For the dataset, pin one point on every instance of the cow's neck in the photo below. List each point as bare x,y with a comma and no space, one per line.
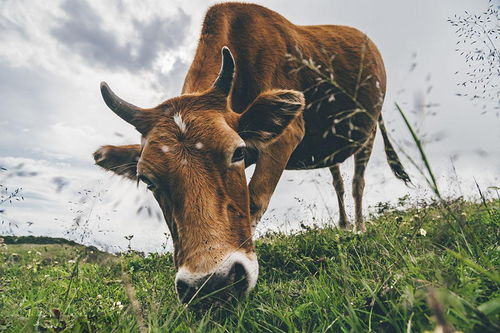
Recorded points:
247,85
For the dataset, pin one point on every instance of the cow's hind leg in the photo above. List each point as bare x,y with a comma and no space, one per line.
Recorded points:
358,183
338,184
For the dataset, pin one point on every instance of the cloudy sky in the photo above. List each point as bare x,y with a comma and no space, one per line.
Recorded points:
52,117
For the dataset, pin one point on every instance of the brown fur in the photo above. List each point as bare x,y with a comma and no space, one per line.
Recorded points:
206,202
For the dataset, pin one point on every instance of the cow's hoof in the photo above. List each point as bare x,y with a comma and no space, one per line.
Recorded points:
346,226
360,228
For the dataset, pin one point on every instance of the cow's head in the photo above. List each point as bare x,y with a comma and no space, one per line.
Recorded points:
192,158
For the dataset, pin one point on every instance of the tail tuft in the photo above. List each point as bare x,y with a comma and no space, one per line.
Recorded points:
392,157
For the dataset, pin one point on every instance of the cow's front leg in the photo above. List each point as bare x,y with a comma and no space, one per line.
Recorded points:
270,164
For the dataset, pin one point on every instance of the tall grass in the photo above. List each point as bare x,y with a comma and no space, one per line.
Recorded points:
316,281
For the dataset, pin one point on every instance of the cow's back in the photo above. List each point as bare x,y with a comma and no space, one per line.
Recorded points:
260,39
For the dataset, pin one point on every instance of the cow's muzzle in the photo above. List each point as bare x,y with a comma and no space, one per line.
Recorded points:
234,277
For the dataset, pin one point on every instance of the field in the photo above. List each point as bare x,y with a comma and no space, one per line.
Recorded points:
421,268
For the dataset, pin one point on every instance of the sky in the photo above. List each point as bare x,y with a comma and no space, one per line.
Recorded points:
52,117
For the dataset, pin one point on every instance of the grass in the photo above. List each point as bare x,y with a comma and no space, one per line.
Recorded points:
393,278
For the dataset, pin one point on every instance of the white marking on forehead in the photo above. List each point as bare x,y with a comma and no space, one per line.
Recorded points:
165,149
198,145
179,122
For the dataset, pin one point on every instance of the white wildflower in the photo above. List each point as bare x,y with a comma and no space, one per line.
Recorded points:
118,305
422,232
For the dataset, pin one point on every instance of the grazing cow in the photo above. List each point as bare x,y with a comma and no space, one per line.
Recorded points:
259,107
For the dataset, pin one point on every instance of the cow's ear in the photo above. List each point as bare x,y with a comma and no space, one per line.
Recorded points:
121,160
269,114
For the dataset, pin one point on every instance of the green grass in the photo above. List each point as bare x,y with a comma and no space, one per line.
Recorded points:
316,281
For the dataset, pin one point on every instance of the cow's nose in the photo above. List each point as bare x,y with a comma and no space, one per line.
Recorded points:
212,287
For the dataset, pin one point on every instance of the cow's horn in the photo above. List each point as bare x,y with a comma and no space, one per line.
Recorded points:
225,79
124,110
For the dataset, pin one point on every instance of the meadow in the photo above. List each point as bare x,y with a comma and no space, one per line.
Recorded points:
427,266
418,267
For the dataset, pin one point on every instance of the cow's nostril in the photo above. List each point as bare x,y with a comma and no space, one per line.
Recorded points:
239,278
183,290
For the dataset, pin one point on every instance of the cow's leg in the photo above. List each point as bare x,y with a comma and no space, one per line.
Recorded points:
338,184
270,164
358,183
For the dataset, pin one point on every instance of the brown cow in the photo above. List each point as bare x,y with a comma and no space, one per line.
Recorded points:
195,147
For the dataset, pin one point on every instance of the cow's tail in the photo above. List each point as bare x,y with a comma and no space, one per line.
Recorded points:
392,157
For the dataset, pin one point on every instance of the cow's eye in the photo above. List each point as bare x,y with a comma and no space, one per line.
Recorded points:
148,183
238,155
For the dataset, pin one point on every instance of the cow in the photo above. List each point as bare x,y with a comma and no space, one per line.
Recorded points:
245,101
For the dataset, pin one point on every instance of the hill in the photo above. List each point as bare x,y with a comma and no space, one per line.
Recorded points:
413,270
